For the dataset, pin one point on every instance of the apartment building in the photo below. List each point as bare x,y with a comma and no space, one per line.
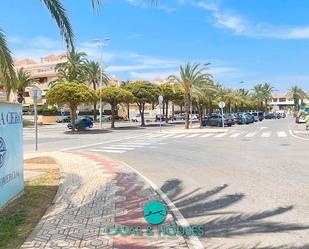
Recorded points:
281,101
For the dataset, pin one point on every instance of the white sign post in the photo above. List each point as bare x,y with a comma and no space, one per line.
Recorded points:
222,105
160,99
35,93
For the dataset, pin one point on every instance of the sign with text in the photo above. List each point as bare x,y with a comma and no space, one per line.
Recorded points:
11,152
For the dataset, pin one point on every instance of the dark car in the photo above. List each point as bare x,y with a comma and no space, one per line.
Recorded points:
158,117
64,120
250,118
82,123
261,116
270,116
216,120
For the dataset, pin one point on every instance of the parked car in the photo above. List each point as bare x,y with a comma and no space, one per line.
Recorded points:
255,116
270,116
250,118
260,116
216,120
231,117
193,117
104,118
158,117
82,123
64,120
241,118
177,117
137,118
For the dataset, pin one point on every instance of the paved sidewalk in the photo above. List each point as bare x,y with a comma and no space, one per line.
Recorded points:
96,193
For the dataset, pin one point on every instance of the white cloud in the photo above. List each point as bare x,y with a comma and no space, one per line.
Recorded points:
241,26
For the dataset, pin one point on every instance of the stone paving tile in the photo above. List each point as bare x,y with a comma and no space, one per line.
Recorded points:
96,193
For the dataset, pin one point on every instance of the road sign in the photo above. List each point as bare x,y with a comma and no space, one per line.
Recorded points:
221,104
77,111
62,111
35,92
160,99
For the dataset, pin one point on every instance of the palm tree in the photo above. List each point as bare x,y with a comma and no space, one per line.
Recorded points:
190,74
73,70
258,94
59,14
296,94
7,72
267,93
92,75
201,93
22,81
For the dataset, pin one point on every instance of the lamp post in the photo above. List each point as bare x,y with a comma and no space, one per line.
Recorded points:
100,43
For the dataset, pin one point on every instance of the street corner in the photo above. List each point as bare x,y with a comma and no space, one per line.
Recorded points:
101,198
134,202
298,130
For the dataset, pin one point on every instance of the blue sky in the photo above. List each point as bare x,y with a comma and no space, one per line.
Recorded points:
252,41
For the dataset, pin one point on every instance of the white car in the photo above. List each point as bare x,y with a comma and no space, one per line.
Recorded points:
301,119
137,118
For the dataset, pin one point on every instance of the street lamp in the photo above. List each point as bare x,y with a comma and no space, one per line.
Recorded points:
100,43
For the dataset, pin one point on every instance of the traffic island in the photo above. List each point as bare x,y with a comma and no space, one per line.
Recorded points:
19,217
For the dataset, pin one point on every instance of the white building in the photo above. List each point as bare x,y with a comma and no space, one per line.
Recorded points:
281,101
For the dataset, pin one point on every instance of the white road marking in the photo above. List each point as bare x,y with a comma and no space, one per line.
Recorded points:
235,135
194,135
116,148
220,135
169,135
208,135
100,143
130,145
137,143
281,134
266,134
181,135
193,241
109,151
251,134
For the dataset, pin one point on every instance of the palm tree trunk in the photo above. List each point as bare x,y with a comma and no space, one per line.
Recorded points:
173,109
200,111
187,109
128,111
113,116
166,112
73,116
95,104
141,108
95,111
163,108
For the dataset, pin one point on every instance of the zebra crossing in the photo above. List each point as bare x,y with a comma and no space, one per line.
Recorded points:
153,140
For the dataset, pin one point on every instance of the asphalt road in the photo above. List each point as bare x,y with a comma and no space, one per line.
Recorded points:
248,186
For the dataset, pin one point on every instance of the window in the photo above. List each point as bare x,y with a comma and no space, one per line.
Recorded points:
282,99
275,100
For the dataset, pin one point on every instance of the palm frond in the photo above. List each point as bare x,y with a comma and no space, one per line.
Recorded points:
7,72
59,13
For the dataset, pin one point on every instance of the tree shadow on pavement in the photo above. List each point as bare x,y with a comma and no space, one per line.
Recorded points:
213,202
